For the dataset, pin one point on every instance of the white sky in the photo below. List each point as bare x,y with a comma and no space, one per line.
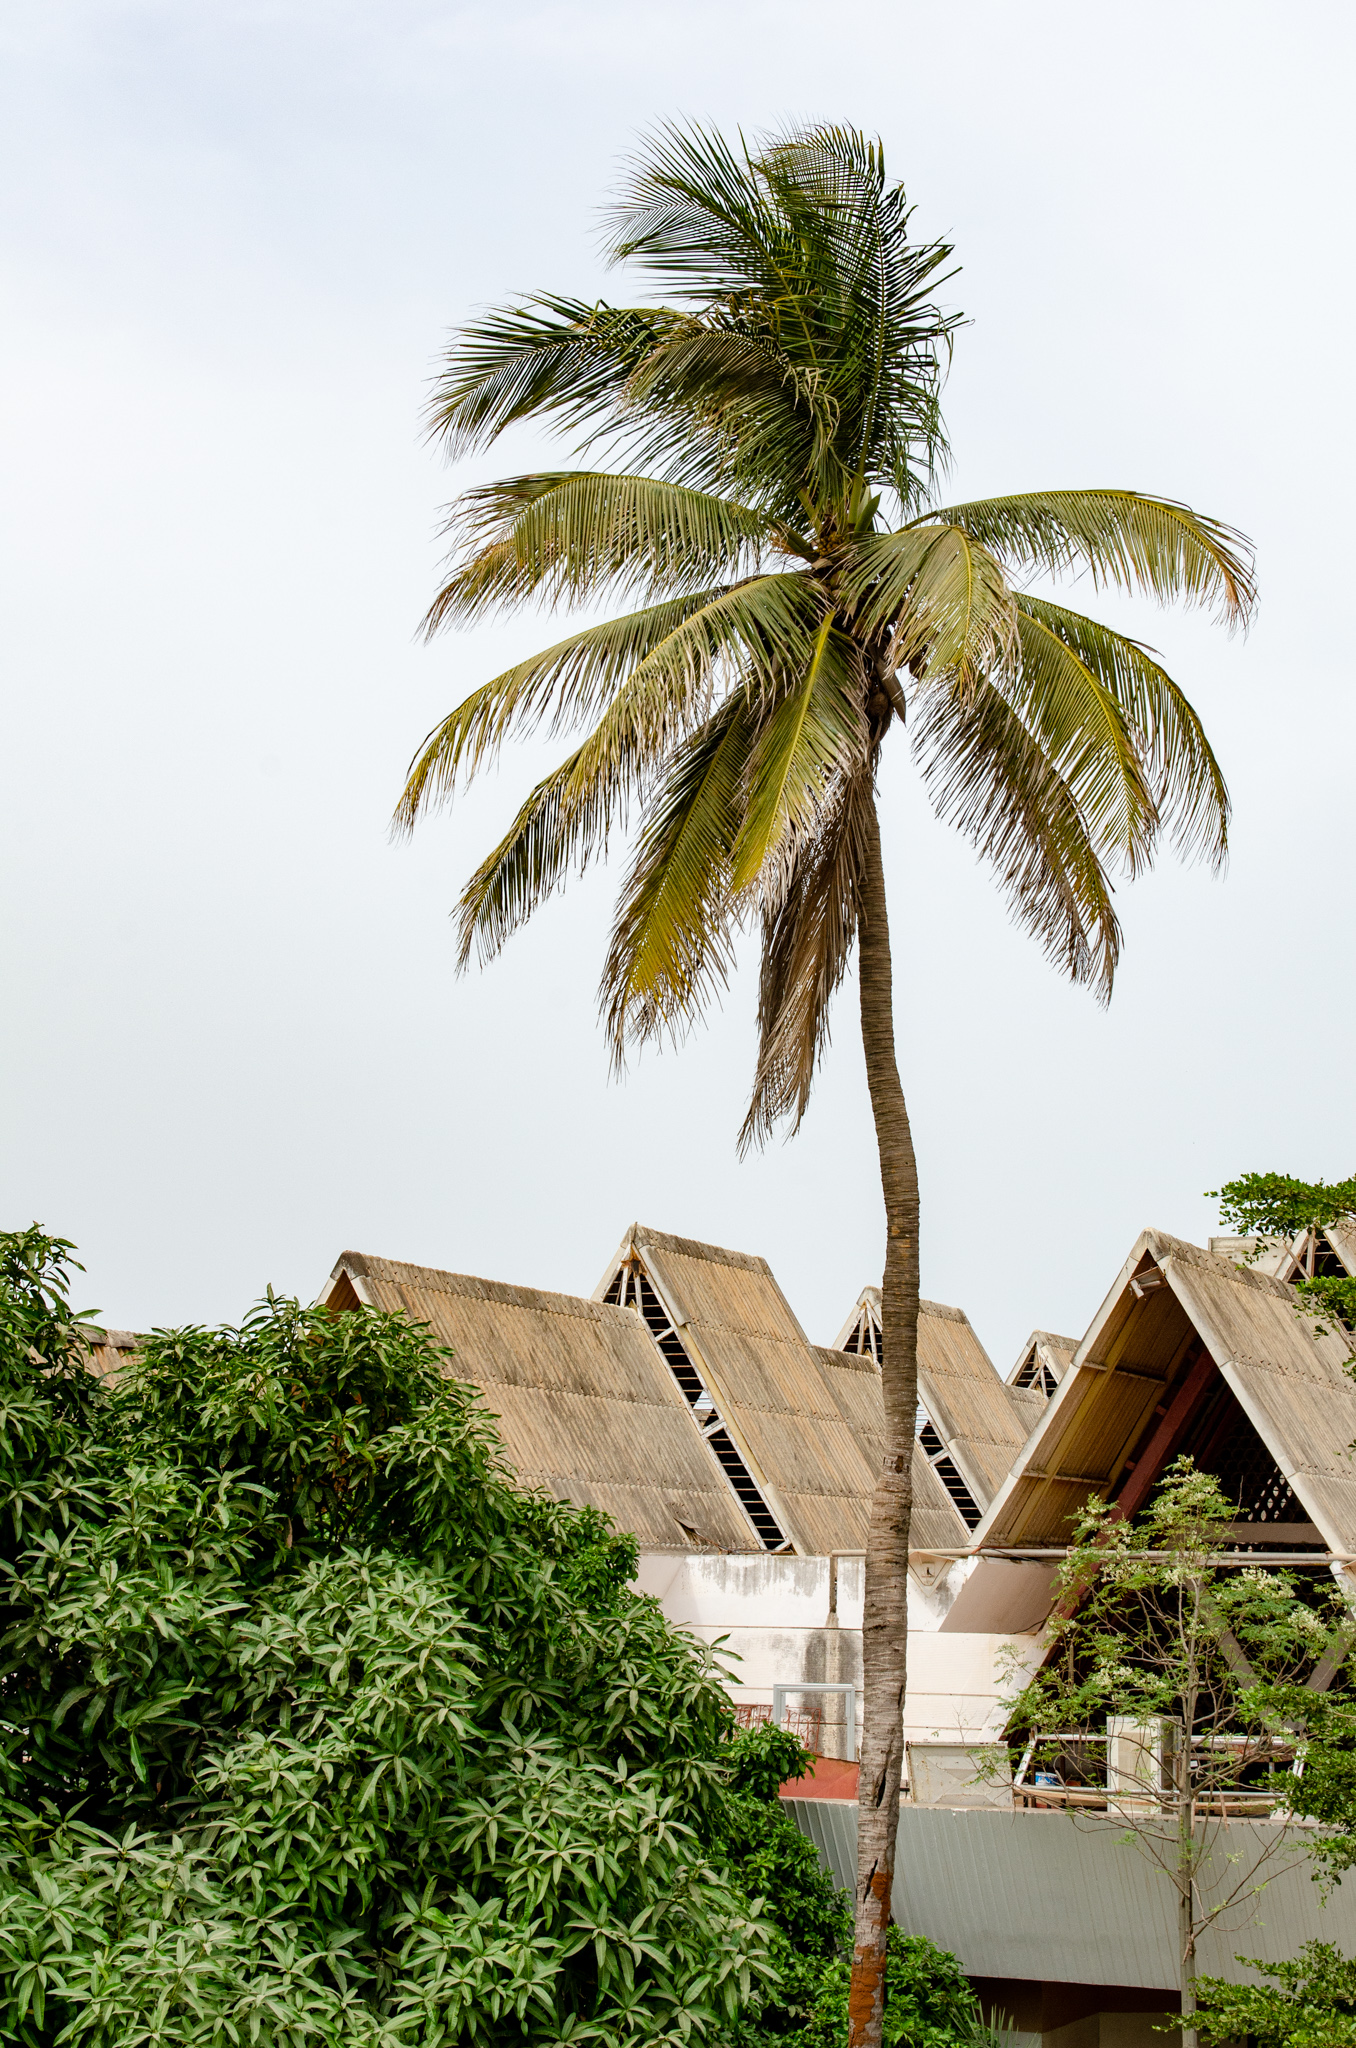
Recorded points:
233,1040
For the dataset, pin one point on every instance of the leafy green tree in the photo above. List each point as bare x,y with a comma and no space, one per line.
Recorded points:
314,1728
1196,1668
768,510
1310,2002
1276,1207
929,2001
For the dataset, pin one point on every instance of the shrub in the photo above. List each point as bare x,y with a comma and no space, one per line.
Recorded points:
314,1728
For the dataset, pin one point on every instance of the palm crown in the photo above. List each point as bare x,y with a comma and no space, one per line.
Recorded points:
794,589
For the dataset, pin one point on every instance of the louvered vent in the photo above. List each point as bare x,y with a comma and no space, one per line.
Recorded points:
633,1290
864,1341
1034,1374
935,1451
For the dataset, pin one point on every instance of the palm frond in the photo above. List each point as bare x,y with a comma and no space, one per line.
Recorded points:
1080,723
1123,538
808,935
986,774
572,536
672,939
799,247
572,679
815,733
942,595
1186,779
547,356
664,658
717,406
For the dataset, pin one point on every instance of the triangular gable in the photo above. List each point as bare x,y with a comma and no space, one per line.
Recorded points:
733,1335
1041,1364
971,1425
587,1408
1190,1353
937,1523
1330,1249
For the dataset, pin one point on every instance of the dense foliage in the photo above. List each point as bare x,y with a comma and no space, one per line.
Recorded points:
315,1728
929,2002
1309,2002
1278,1205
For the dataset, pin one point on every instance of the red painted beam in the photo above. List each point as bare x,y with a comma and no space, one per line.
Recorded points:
1171,1429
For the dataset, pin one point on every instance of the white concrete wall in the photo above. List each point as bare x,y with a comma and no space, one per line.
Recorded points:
770,1618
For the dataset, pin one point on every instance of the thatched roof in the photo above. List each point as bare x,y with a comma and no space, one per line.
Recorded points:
1039,1367
977,1424
773,1396
855,1380
106,1351
587,1408
1192,1353
982,1423
804,1423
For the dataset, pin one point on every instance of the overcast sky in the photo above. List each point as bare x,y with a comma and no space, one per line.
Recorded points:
235,237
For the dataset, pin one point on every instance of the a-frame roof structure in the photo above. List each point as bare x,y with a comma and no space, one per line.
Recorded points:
1041,1364
1193,1353
587,1407
971,1425
1329,1248
798,1428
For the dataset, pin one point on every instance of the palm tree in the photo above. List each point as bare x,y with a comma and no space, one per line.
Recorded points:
771,442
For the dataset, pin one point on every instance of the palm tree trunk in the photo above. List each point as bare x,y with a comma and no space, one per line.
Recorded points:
885,1620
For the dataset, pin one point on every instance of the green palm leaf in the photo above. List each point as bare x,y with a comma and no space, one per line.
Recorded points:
800,252
808,936
565,537
1187,781
566,821
816,731
990,778
1123,538
1080,723
574,677
672,940
941,595
554,356
659,663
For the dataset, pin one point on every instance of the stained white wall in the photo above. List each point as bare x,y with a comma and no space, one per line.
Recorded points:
768,1620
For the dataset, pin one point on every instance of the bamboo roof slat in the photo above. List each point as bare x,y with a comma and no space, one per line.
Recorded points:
587,1408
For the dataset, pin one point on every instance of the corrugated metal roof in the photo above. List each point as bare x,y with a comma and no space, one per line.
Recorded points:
587,1408
1039,1895
1288,1374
